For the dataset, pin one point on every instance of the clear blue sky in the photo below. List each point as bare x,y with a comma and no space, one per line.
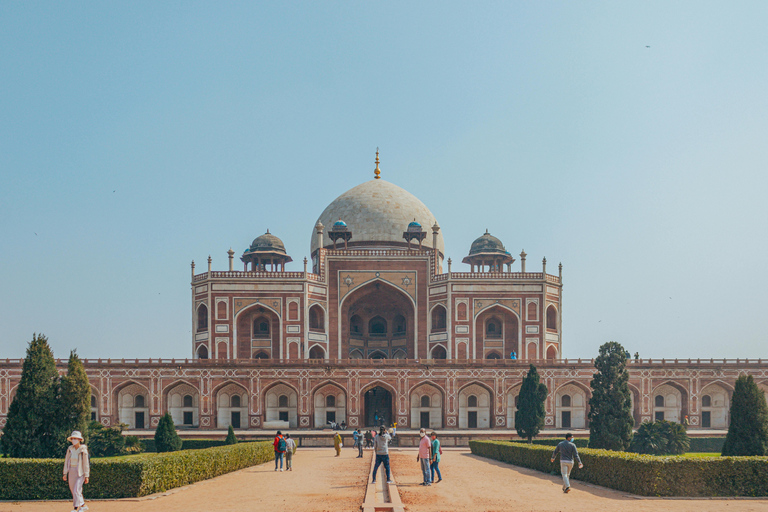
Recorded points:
627,140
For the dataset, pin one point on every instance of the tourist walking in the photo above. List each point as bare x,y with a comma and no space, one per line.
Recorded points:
337,444
425,456
437,451
358,443
381,447
290,447
568,454
368,439
77,469
280,446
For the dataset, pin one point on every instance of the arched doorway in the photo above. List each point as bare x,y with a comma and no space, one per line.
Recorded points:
378,407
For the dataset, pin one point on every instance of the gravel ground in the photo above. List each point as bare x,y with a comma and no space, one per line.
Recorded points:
475,484
319,482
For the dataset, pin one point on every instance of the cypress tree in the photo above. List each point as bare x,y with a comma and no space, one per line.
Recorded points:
75,397
748,431
231,438
166,438
32,429
530,414
610,409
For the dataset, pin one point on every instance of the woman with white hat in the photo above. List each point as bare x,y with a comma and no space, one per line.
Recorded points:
77,470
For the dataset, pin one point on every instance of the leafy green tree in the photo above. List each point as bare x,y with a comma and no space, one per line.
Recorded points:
231,438
32,428
610,409
530,414
166,438
105,441
660,437
748,431
75,397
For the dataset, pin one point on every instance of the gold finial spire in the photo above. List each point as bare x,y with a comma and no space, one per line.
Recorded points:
377,171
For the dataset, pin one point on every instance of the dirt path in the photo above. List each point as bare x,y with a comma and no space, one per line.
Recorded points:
476,484
319,482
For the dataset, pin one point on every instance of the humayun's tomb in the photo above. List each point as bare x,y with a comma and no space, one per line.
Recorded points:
379,325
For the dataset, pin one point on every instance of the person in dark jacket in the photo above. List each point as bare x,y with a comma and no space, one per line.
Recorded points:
568,454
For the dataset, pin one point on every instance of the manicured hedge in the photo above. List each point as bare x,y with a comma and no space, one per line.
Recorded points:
645,475
131,476
580,442
186,444
706,444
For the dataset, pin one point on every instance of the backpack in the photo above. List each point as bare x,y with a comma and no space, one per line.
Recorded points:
281,445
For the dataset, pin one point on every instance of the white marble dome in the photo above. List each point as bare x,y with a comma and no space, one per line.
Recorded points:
377,211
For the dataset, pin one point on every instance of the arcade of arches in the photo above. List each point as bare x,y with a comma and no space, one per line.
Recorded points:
426,404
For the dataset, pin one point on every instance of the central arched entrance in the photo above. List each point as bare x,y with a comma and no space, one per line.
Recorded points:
377,322
378,407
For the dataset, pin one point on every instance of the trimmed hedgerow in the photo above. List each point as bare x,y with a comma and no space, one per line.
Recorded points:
131,476
580,442
706,444
645,475
186,444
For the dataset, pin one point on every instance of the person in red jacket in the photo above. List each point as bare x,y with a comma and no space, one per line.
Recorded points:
280,447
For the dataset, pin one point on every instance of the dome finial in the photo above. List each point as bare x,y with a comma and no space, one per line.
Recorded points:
377,171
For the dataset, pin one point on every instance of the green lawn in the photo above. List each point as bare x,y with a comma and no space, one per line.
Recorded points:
700,455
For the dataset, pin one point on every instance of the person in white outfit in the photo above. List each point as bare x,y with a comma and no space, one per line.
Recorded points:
77,470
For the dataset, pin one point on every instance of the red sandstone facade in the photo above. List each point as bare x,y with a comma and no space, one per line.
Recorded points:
376,332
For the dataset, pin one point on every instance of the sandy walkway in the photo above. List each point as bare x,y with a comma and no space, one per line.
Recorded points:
319,482
475,484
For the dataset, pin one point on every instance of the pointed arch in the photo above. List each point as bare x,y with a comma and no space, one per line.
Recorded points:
325,412
281,328
393,287
426,405
126,410
438,318
518,331
475,405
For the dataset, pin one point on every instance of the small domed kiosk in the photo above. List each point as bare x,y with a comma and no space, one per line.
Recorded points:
488,251
267,252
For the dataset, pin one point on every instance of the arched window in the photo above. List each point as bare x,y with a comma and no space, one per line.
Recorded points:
493,328
438,319
187,401
551,318
138,401
93,401
399,324
706,401
282,401
425,401
202,318
316,319
471,401
493,355
356,325
438,352
565,401
221,310
261,327
461,311
234,401
659,401
316,352
260,355
330,401
551,353
377,325
202,352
